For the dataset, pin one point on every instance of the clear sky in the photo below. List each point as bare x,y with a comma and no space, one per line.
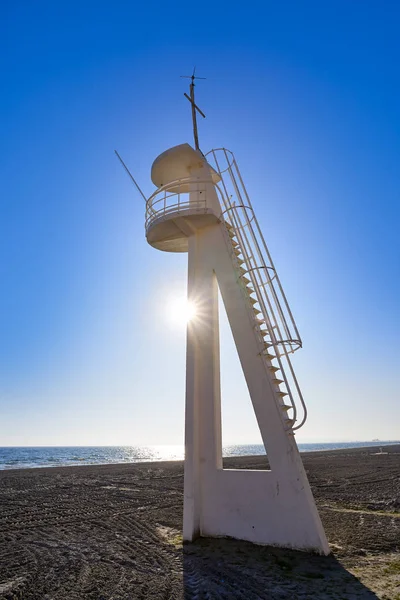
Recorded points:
307,95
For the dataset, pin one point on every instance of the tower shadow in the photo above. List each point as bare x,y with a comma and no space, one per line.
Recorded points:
227,569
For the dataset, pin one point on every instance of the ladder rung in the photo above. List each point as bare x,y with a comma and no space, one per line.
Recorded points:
242,271
253,300
277,381
228,225
268,355
282,394
231,233
257,312
246,280
273,369
285,407
237,252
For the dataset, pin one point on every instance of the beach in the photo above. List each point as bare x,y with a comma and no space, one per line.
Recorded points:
114,532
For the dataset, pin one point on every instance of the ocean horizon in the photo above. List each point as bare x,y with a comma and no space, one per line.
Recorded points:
29,457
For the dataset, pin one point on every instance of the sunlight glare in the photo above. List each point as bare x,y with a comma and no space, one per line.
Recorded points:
181,311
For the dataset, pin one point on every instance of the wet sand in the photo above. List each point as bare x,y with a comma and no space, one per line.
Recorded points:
114,533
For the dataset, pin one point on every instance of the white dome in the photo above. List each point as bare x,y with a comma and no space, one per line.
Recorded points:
178,163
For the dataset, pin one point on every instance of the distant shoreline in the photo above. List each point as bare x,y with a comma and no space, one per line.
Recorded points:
368,442
388,446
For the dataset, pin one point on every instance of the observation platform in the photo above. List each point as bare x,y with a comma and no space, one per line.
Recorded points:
186,198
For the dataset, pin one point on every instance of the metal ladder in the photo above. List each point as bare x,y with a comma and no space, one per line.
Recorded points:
270,314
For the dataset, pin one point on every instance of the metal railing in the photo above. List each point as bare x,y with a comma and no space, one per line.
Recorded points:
173,199
274,324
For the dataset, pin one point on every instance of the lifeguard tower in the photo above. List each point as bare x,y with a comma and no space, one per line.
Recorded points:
201,206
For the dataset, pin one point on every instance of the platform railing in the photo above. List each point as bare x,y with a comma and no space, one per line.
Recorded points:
176,199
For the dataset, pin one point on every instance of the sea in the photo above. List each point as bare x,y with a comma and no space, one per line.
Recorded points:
65,456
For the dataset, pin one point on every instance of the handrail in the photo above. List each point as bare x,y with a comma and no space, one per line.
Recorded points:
271,302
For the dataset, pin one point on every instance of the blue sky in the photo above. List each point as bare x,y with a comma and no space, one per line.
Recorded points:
306,94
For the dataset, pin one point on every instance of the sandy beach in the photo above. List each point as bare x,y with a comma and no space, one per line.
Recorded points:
114,532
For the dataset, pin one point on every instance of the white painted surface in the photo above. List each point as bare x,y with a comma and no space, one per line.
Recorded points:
177,163
268,507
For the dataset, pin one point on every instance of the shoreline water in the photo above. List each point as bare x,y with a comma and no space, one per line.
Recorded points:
24,457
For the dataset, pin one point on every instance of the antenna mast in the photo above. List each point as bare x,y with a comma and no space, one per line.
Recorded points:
131,176
194,106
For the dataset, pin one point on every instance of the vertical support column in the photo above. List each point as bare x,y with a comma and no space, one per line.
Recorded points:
203,449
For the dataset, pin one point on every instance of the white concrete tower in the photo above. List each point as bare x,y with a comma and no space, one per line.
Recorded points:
201,207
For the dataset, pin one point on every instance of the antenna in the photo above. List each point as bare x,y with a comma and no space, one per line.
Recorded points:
194,106
130,175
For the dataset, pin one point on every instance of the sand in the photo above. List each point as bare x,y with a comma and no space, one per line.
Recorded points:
114,532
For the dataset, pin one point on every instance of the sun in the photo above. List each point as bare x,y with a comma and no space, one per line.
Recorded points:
181,310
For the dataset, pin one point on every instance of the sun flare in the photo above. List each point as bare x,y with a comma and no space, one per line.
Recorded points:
181,310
